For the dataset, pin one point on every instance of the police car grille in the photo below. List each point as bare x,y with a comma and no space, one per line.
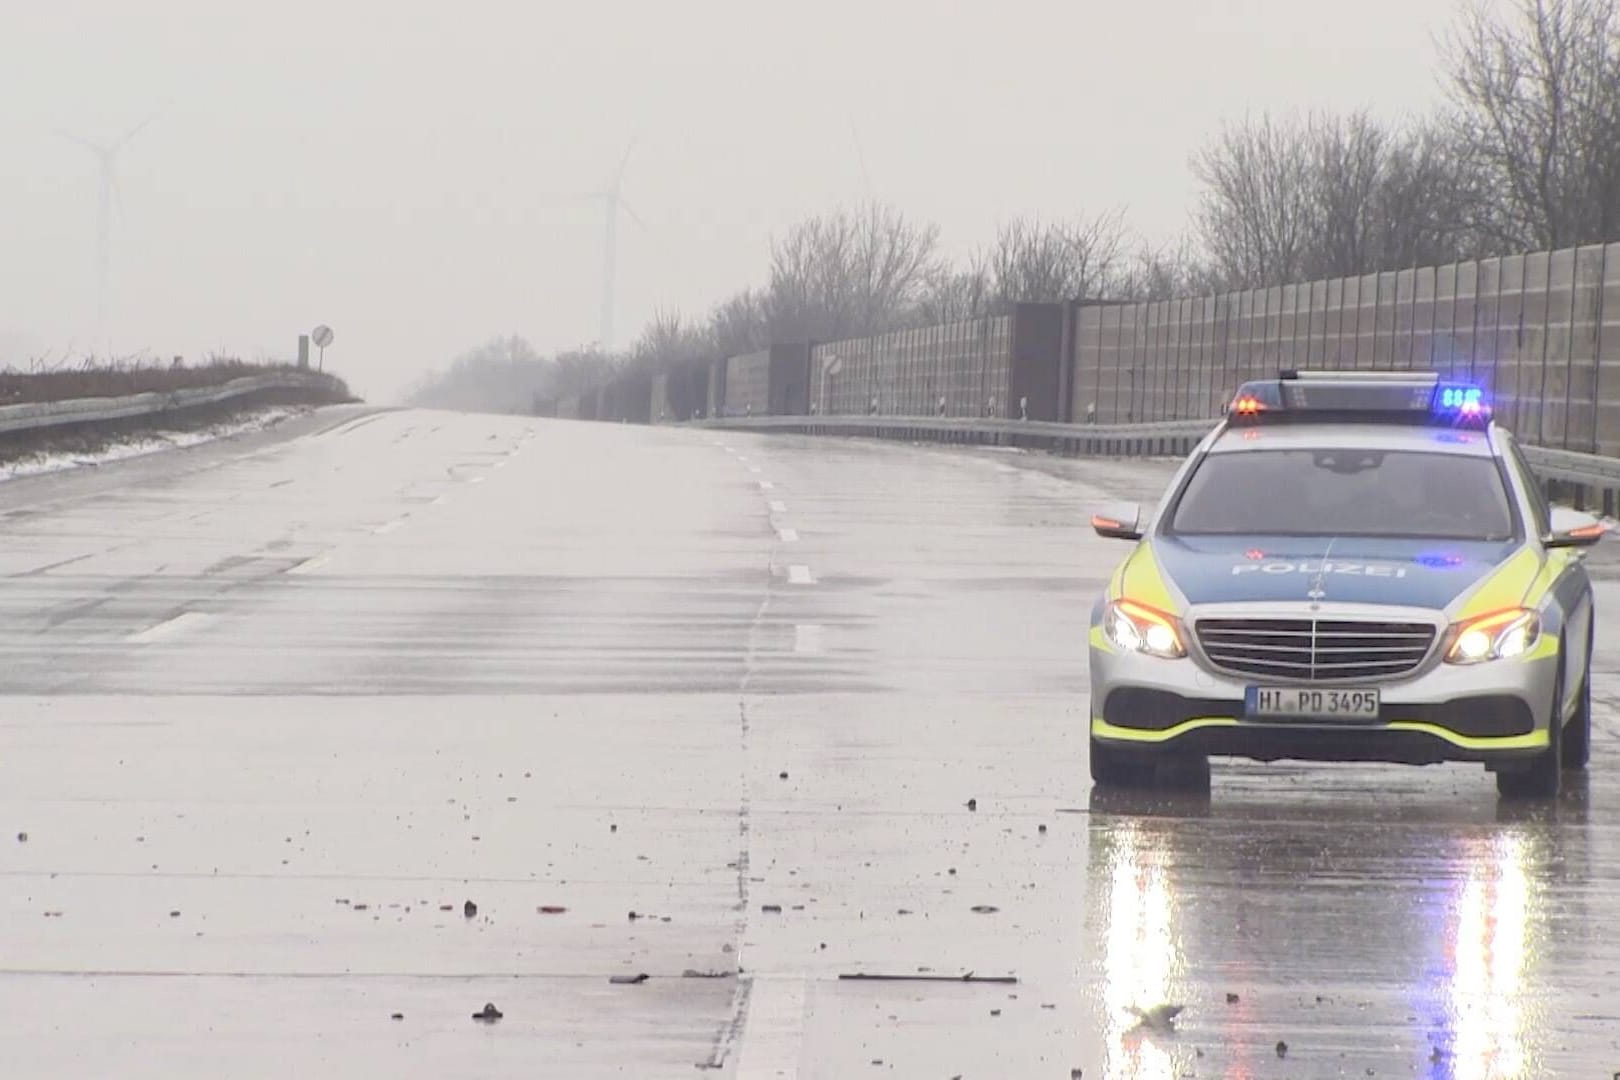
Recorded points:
1323,650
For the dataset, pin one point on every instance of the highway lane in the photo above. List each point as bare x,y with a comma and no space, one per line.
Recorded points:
276,710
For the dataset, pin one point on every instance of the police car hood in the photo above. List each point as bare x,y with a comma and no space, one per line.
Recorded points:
1349,570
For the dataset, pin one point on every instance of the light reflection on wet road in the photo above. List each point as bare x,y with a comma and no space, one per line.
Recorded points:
309,693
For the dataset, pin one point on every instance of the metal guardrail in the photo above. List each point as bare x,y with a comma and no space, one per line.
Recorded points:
44,414
1584,479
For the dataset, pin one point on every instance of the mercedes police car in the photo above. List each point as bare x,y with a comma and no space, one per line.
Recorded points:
1350,567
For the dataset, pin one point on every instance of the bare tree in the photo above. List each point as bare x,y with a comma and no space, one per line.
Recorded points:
848,273
1036,261
1255,215
953,294
1331,196
739,325
1538,105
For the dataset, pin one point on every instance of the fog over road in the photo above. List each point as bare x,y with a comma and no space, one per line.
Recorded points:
277,708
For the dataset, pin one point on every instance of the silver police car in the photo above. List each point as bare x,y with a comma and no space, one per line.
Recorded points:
1350,567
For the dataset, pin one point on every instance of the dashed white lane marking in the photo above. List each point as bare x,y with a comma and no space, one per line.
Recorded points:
310,565
766,485
477,480
755,469
800,575
807,638
168,628
441,500
787,536
773,1042
500,464
384,530
778,506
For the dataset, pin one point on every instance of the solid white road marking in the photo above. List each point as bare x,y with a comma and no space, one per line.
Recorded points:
755,469
766,485
773,1041
800,575
168,628
778,506
476,480
787,536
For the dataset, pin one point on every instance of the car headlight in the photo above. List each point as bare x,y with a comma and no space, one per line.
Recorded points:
1500,635
1134,627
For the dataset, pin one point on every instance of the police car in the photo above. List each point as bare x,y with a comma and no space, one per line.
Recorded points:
1350,567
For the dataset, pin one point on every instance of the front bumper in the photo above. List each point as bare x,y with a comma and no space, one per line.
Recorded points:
1492,712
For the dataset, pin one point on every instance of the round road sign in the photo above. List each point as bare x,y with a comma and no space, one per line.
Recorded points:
321,336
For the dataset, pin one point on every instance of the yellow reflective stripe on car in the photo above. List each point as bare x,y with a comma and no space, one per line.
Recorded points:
1141,579
1504,587
1551,570
1535,739
1099,640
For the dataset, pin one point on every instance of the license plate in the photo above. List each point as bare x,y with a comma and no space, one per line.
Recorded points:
1308,703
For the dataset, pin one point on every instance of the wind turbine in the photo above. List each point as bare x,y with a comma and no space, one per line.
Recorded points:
612,198
107,189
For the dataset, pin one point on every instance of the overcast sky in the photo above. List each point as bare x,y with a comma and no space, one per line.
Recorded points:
405,171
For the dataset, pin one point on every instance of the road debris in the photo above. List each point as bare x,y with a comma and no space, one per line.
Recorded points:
771,909
972,804
1158,1018
1231,998
469,909
693,973
1282,1049
551,909
22,838
985,909
488,1014
397,1016
628,980
970,977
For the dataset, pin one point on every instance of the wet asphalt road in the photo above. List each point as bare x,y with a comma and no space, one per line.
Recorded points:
276,709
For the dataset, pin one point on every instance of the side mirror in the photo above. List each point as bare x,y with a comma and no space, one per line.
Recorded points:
1118,521
1573,528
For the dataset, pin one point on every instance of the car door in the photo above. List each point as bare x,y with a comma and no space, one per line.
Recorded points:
1571,589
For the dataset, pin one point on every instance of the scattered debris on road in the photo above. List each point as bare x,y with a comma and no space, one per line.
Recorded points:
469,909
1158,1018
973,804
551,909
1231,998
1282,1049
985,909
970,977
488,1014
628,980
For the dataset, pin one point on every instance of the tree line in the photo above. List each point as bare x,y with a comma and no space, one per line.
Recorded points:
1522,154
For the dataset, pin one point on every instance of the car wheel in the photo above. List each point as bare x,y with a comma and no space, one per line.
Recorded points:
1111,768
1182,772
1539,778
1577,750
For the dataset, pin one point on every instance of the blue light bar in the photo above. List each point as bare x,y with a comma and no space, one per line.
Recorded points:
1414,397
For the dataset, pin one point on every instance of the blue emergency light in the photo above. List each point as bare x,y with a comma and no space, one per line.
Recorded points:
1404,397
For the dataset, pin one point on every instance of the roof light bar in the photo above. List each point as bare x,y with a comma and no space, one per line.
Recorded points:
1411,397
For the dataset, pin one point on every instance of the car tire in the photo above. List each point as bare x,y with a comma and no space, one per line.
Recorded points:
1111,768
1182,772
1541,776
1577,748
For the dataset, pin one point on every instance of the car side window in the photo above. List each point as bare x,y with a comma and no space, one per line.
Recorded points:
1527,476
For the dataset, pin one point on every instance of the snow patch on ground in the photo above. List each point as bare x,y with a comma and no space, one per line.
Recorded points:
152,442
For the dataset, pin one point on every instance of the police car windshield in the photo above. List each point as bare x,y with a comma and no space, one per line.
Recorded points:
1340,492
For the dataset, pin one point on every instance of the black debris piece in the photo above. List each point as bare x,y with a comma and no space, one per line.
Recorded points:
1042,830
970,977
985,909
1232,999
782,775
771,909
397,1016
628,980
22,838
973,804
488,1014
1282,1049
